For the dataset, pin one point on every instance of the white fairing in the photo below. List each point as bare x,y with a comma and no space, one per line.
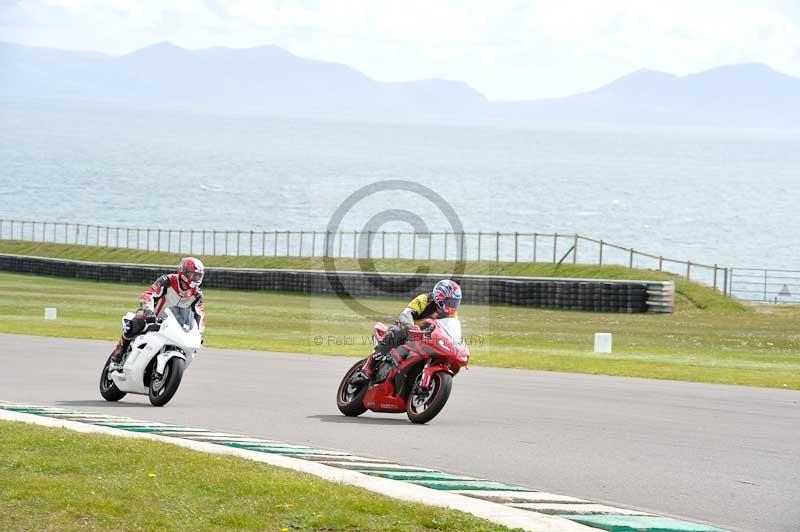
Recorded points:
172,340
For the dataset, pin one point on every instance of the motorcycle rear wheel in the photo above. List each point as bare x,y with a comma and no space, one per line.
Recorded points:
421,410
108,389
162,389
349,397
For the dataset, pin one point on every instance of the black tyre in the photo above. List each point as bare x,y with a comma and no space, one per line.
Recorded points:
108,389
163,387
350,397
421,408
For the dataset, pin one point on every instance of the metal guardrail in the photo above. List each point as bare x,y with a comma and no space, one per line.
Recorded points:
479,246
770,286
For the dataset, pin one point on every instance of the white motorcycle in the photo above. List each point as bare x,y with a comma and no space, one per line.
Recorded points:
156,359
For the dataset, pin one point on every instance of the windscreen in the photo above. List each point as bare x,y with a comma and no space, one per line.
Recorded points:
184,316
451,326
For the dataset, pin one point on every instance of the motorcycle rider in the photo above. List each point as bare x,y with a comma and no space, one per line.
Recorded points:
442,302
180,289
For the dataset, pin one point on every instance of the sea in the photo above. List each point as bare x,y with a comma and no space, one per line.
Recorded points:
716,196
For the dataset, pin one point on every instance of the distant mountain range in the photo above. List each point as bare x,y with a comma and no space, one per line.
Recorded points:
270,80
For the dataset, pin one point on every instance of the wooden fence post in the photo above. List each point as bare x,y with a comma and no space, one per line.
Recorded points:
600,261
516,245
575,250
715,277
555,246
497,247
630,265
725,283
688,270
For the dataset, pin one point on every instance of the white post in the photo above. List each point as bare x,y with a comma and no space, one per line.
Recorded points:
602,342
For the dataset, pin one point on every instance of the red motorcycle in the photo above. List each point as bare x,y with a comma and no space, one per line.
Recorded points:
417,380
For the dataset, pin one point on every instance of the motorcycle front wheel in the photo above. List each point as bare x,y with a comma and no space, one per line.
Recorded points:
108,389
424,405
350,397
164,386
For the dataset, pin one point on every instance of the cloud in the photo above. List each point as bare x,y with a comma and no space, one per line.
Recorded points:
508,49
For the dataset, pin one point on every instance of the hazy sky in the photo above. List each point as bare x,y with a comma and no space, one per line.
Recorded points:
506,49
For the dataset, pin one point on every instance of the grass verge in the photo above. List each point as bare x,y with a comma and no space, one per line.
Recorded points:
57,479
690,294
755,348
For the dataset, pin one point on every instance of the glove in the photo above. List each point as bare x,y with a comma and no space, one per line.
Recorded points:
149,316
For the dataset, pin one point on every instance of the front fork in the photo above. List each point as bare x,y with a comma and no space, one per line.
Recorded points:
429,371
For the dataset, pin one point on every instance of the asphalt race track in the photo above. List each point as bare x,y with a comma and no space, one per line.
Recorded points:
723,455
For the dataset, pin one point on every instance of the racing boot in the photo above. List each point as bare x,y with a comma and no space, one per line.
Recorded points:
115,360
116,354
367,370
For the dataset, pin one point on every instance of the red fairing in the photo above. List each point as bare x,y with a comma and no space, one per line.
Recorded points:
433,348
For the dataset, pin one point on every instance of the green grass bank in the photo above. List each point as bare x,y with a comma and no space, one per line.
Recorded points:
689,294
722,345
57,479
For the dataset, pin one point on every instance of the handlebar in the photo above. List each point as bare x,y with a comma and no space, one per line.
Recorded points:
418,333
153,326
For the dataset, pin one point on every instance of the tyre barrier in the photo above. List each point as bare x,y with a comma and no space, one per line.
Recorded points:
595,295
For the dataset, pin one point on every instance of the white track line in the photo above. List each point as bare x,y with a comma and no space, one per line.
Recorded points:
497,513
507,497
577,509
